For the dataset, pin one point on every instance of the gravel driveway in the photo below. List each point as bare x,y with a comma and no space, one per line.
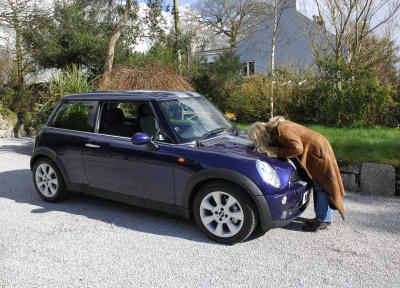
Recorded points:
91,242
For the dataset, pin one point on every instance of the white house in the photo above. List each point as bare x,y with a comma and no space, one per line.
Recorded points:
295,36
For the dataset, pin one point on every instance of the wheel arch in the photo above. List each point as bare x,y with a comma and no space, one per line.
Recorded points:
234,178
44,152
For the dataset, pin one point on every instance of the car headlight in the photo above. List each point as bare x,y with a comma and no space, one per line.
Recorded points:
268,174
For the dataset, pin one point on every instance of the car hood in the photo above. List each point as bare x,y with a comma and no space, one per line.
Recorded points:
240,146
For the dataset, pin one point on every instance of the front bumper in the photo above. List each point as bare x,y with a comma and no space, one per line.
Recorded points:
297,198
278,214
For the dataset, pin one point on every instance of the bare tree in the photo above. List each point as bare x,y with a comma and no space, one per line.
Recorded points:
278,7
116,34
177,36
347,23
6,64
135,21
234,19
204,36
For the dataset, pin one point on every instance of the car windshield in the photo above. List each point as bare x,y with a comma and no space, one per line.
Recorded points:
194,118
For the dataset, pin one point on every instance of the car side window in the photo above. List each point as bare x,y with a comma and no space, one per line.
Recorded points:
76,115
129,117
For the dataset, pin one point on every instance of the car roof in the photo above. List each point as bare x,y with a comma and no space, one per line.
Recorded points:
131,95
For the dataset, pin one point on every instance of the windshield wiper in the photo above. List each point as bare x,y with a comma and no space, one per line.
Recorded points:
234,130
210,133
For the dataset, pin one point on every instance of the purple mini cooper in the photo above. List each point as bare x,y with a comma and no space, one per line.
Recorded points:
168,151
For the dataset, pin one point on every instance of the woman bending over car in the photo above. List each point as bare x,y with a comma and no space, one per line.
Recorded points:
280,138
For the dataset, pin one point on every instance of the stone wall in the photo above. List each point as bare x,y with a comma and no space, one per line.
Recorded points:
7,127
371,178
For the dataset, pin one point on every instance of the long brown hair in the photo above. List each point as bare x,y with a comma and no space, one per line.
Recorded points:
260,133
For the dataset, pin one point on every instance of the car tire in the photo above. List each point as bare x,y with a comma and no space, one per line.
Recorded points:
224,212
48,181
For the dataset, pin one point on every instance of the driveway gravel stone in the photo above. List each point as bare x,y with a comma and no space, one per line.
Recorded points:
91,242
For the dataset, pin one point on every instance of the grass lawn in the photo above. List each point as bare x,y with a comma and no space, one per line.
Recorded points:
360,144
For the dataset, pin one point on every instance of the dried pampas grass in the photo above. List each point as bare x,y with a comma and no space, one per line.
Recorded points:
144,77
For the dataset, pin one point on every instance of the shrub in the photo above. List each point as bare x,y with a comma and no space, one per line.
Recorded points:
68,81
217,81
33,107
18,101
337,96
351,95
251,101
5,113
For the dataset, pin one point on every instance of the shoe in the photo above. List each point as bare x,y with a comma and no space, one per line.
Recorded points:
316,225
310,221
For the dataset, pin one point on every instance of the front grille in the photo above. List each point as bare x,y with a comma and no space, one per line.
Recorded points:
295,177
299,174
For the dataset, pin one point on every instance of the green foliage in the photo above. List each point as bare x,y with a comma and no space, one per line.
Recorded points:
19,101
79,31
252,100
163,52
5,113
350,95
160,53
338,96
75,33
218,80
70,81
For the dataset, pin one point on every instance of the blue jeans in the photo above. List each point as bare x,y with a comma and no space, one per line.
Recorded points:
323,212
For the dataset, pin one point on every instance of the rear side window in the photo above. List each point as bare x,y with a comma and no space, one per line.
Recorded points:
76,115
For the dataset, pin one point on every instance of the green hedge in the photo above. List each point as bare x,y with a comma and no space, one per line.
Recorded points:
317,99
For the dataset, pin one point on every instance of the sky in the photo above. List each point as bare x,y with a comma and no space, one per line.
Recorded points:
306,7
180,2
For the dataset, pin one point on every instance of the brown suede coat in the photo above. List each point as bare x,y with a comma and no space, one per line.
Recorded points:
315,154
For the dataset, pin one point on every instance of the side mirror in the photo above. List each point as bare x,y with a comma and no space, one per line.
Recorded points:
234,119
143,139
140,139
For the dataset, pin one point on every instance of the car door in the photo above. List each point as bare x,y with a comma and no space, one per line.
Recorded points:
67,133
114,163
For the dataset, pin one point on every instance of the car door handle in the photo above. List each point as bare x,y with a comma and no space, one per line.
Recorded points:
89,145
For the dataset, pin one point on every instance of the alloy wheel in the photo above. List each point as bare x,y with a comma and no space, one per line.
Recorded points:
46,180
221,214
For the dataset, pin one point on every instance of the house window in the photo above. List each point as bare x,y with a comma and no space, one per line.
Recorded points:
248,68
252,68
